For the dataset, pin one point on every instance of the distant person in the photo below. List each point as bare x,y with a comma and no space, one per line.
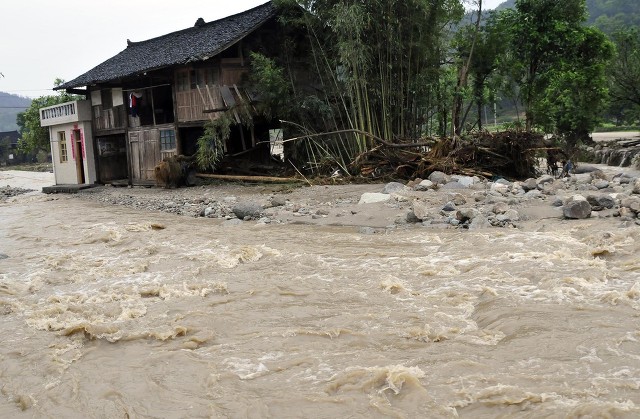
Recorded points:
567,168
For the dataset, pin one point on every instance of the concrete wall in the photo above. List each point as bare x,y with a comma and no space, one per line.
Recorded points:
66,172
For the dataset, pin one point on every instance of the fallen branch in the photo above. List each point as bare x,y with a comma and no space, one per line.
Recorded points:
357,131
264,179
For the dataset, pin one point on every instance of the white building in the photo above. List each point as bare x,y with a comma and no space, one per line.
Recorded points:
71,139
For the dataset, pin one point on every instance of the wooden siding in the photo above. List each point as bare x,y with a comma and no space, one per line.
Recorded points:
192,103
105,119
145,153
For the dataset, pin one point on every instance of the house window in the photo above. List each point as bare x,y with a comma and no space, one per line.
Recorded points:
211,76
62,141
167,139
182,81
197,79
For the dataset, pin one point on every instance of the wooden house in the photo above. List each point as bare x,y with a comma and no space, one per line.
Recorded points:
152,100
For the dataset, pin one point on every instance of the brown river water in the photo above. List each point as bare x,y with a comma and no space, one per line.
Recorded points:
109,312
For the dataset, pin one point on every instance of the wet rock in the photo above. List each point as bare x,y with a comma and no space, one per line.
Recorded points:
413,183
600,202
632,202
368,231
250,210
533,194
393,187
601,184
439,178
453,185
466,181
424,185
372,198
466,214
500,208
509,216
577,210
420,209
449,206
624,179
232,222
412,218
583,168
479,222
626,213
3,256
500,188
479,196
544,179
582,179
278,201
457,199
529,184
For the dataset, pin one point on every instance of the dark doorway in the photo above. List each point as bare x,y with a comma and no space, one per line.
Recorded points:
77,138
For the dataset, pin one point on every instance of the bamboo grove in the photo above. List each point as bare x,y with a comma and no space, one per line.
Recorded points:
408,70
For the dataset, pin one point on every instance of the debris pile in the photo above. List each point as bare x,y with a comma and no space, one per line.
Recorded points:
9,192
510,154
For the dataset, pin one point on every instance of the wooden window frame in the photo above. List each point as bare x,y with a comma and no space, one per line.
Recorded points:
62,145
167,139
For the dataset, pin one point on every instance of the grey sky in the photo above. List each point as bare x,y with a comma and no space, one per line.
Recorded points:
41,40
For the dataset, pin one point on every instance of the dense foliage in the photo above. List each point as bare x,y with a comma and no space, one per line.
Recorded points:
405,70
625,76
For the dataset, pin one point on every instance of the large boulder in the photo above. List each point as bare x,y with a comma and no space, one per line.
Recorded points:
420,209
577,210
633,203
467,214
247,210
529,184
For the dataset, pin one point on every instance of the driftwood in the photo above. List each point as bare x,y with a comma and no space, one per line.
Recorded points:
263,179
511,154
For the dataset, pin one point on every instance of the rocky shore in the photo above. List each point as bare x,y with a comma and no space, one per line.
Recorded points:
441,201
7,192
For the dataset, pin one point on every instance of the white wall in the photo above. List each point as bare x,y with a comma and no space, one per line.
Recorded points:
66,172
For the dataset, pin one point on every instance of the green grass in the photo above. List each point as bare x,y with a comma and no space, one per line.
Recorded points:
613,128
30,167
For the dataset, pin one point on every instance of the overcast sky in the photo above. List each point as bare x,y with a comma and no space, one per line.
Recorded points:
42,39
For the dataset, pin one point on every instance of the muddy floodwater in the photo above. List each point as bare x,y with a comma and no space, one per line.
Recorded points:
110,312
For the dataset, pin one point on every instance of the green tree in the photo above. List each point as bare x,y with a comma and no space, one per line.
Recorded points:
559,65
379,62
34,137
483,63
577,93
625,73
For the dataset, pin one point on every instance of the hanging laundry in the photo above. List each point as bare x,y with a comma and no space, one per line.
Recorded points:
134,103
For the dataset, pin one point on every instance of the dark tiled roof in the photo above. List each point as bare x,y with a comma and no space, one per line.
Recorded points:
197,43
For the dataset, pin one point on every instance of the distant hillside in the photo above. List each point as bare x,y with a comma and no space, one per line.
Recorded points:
607,15
10,106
